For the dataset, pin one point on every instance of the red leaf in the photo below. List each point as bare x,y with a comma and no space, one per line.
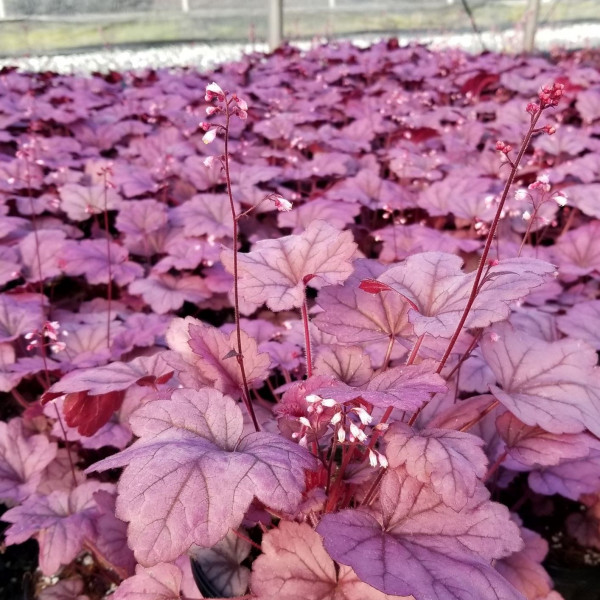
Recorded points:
89,413
372,286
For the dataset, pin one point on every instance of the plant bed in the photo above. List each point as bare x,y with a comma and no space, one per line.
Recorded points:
322,323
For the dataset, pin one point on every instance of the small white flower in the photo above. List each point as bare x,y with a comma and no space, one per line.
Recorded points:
313,398
281,204
304,421
359,434
336,418
341,434
328,402
561,199
372,458
363,415
210,135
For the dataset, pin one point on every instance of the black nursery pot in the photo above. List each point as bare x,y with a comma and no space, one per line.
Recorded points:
576,582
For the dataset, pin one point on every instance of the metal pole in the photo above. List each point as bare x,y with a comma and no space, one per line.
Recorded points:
2,10
275,23
531,19
185,6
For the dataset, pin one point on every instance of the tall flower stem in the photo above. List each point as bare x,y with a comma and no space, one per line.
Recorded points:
236,296
488,242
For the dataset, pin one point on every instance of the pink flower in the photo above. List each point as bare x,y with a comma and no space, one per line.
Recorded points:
210,136
213,90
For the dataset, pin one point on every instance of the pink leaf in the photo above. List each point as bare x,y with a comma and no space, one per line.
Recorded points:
65,589
435,283
159,582
551,384
113,377
190,478
452,461
294,565
274,270
210,347
524,568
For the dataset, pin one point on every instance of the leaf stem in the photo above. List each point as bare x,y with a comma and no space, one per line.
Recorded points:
308,350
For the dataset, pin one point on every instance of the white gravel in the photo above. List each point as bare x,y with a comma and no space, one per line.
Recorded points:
205,56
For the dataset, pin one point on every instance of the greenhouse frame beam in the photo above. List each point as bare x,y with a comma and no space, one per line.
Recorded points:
275,23
531,20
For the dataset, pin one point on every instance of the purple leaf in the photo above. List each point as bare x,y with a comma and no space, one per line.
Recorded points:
99,260
570,478
576,322
435,283
165,293
220,565
273,272
205,214
22,461
295,565
190,478
20,314
348,364
417,545
62,521
335,212
532,446
141,217
452,461
554,385
81,202
465,197
354,315
405,388
577,252
40,253
65,589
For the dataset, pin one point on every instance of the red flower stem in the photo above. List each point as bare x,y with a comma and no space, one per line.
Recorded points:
386,415
308,351
236,297
488,242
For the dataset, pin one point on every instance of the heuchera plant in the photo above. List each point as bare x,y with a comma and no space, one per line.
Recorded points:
300,349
